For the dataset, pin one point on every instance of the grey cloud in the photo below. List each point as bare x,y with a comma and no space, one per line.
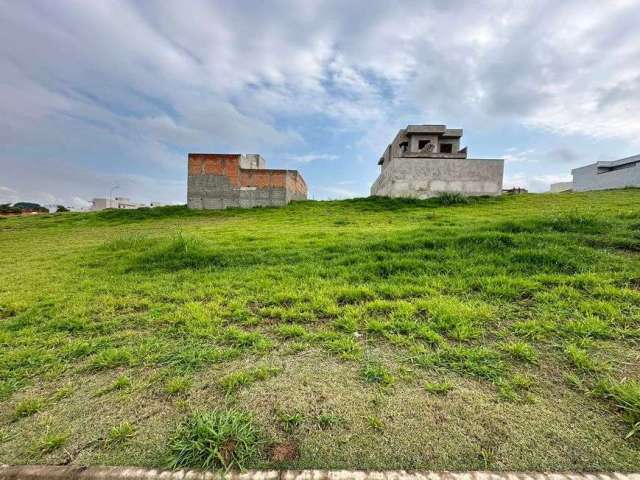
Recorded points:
124,88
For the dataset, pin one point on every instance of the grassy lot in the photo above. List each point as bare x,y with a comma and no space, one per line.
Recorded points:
498,334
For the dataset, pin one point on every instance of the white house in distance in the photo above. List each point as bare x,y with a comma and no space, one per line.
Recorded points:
98,204
426,160
603,175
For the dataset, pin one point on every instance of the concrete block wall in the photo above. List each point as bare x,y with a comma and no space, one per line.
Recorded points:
428,177
218,181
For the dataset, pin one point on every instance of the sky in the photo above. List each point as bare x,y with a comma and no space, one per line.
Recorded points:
98,94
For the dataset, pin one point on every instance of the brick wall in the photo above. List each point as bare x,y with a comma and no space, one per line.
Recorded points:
218,181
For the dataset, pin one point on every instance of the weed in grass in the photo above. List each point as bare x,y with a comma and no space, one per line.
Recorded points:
375,423
112,358
7,387
245,340
63,392
195,357
575,381
439,388
327,420
50,442
213,440
521,351
581,359
290,331
29,406
347,347
511,388
241,378
121,433
178,386
296,347
589,326
290,421
626,396
480,362
375,372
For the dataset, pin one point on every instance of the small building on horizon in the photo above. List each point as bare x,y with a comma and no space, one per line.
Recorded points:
98,204
560,187
426,160
606,175
219,180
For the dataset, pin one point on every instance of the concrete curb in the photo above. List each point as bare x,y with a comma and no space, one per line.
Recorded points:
48,472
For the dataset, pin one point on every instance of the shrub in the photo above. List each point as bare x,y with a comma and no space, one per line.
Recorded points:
218,439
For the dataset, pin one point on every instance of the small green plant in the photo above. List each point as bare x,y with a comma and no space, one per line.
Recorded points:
112,358
581,359
121,383
289,331
626,395
63,392
374,372
28,407
290,421
521,351
346,347
177,385
439,388
375,423
213,440
50,441
121,433
241,378
327,420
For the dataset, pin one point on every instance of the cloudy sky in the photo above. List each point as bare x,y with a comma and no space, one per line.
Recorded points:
101,93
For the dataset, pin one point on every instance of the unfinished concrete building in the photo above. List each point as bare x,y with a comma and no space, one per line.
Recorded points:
218,181
426,160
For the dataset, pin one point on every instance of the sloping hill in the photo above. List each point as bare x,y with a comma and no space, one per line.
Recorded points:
370,333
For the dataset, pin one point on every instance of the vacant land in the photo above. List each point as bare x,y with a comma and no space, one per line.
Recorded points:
501,334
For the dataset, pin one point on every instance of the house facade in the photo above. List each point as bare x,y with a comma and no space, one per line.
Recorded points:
605,175
426,160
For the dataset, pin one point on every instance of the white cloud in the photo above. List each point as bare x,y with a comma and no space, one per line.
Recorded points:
311,157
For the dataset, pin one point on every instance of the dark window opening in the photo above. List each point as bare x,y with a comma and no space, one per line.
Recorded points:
617,167
423,143
446,148
403,146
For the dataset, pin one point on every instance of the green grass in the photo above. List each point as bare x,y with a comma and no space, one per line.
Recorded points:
215,440
439,388
501,331
121,433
